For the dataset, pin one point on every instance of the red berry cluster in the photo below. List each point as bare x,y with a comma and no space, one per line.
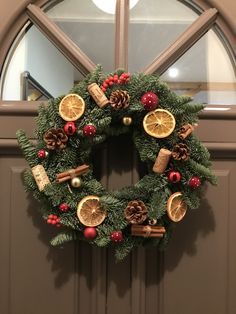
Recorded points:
111,80
54,220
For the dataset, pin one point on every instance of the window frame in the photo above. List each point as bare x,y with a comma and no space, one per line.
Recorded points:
26,11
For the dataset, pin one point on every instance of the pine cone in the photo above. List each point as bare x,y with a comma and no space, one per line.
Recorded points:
119,99
55,139
136,212
181,152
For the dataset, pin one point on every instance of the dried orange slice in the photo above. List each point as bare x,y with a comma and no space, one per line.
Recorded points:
90,212
71,107
176,208
159,123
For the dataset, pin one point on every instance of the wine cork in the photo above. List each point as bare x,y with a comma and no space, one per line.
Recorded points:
185,131
162,160
40,177
98,95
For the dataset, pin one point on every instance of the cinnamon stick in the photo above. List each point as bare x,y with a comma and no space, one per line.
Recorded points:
147,231
185,131
66,175
151,235
152,228
61,180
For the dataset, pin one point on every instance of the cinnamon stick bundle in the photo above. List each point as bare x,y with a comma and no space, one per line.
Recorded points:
71,173
147,231
185,131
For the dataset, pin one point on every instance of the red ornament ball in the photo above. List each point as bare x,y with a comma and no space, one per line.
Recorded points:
149,101
116,236
89,130
194,182
90,233
64,207
174,176
42,153
70,128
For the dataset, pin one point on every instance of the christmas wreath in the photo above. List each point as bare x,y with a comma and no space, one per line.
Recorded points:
61,177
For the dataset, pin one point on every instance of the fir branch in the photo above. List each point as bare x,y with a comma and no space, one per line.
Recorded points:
203,172
27,147
158,204
102,240
147,147
126,247
63,237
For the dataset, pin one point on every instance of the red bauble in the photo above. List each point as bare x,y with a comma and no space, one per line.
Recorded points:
194,182
70,128
116,236
64,207
42,153
174,176
90,233
89,130
149,101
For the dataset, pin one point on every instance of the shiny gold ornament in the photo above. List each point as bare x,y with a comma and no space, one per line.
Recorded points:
152,222
127,120
76,182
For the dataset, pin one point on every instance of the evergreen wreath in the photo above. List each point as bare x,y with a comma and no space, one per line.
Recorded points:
161,125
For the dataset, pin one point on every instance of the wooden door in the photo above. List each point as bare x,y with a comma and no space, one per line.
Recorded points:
196,274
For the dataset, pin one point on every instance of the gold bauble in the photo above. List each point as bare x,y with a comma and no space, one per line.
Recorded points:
127,120
76,182
152,222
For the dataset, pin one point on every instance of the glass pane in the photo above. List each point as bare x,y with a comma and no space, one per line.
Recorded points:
154,25
90,27
32,90
45,64
204,72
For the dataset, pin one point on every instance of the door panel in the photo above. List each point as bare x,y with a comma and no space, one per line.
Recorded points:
198,261
34,277
196,273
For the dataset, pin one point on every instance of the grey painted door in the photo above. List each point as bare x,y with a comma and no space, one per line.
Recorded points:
197,273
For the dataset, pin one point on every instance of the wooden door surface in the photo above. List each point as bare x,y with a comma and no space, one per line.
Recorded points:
196,274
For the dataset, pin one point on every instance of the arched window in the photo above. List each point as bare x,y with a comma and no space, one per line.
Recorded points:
169,38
